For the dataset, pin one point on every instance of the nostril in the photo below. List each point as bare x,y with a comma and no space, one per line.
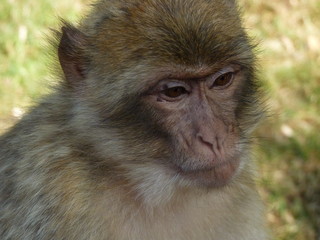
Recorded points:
207,143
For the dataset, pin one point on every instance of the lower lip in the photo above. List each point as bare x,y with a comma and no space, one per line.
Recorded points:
216,176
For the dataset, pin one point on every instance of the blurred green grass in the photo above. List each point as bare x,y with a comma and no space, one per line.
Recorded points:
288,142
24,27
288,152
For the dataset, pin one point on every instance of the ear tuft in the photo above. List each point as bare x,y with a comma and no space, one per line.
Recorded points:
71,54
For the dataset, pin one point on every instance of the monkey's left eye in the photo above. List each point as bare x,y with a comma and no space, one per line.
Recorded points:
222,79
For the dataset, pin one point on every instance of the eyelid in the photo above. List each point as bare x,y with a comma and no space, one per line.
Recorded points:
215,76
223,71
172,84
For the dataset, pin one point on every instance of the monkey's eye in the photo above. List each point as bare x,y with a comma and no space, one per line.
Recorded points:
222,79
174,92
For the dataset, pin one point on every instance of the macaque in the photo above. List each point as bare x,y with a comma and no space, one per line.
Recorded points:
147,136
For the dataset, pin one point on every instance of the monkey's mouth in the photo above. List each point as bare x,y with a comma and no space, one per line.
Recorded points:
217,175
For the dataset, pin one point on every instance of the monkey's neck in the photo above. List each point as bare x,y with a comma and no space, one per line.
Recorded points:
186,209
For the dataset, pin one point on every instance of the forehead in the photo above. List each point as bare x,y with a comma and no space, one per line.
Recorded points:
186,32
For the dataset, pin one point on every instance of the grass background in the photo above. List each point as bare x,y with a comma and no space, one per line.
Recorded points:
288,149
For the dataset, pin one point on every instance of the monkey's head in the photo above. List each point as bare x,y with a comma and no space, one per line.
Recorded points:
164,87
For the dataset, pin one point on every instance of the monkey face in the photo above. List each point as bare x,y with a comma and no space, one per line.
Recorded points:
199,113
167,83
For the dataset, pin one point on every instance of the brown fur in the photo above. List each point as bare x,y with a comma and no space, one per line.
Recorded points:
84,163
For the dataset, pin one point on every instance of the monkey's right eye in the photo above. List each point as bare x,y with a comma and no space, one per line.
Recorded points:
174,92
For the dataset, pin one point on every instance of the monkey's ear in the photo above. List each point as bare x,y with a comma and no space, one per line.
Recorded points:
71,54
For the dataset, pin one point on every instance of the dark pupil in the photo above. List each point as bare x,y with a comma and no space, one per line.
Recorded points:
223,79
174,92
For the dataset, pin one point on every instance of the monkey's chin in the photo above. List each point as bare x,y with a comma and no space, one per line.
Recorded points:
215,176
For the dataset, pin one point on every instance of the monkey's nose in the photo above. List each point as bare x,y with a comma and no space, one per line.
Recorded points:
206,142
205,146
